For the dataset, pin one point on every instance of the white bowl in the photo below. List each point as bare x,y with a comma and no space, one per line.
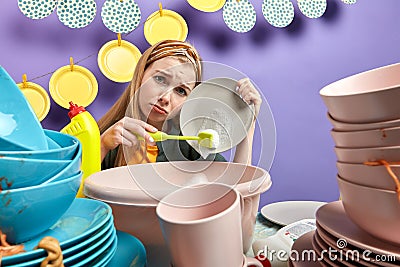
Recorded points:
370,96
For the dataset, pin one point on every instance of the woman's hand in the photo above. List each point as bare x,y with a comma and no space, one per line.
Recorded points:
249,94
125,132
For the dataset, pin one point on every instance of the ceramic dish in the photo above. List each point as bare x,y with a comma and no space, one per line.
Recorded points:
346,127
239,16
325,258
367,97
304,243
20,125
165,24
29,211
332,242
118,61
367,205
37,97
226,113
287,212
369,138
207,5
105,258
79,86
73,255
371,176
20,172
85,217
133,196
361,155
334,220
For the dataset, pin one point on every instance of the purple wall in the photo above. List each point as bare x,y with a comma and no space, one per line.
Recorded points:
290,66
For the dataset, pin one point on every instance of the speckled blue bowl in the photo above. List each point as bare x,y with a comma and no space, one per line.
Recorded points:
29,211
68,146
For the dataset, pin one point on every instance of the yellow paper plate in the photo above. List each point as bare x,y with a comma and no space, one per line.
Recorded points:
118,62
169,25
207,5
79,86
37,98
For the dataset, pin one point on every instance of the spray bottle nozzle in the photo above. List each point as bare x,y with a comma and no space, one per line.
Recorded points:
74,109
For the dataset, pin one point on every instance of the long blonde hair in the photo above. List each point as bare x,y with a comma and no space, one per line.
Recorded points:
166,48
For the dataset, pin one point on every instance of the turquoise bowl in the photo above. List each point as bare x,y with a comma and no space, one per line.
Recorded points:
29,211
23,172
68,146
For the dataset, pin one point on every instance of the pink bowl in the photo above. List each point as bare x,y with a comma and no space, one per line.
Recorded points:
361,155
347,127
371,176
368,138
134,208
374,210
370,96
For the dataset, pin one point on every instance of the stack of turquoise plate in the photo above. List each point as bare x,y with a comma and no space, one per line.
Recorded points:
86,234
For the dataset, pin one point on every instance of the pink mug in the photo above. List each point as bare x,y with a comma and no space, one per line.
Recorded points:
201,225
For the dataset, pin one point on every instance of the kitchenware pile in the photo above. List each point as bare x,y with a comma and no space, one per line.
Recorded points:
40,173
86,234
134,192
365,115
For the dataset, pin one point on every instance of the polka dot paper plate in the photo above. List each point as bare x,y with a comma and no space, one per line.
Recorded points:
37,98
76,13
349,2
120,17
79,86
278,14
118,62
312,8
169,25
37,9
207,5
239,16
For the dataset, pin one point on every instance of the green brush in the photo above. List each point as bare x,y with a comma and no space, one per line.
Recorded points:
207,138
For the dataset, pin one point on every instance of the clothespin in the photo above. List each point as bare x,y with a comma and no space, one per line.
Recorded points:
119,39
161,11
71,63
24,79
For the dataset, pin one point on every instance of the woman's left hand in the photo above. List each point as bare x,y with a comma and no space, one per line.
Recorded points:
249,94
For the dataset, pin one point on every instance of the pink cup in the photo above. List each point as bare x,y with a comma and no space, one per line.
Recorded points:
202,226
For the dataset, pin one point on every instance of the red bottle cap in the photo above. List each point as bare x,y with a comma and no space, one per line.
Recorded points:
74,110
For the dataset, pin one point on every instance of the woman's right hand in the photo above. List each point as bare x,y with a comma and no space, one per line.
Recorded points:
125,132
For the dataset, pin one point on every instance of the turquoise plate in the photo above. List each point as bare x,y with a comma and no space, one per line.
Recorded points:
20,125
103,247
104,258
83,218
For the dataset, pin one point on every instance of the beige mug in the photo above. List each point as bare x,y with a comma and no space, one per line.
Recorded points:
201,225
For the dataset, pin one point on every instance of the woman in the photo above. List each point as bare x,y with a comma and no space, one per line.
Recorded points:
165,75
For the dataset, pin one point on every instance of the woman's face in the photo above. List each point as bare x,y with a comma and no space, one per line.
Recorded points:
165,86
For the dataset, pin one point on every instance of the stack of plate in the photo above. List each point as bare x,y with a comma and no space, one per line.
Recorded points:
339,242
86,234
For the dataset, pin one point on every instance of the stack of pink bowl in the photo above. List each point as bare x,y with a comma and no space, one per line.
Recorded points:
365,115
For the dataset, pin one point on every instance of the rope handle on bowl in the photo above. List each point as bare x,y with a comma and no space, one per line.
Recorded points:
54,254
389,170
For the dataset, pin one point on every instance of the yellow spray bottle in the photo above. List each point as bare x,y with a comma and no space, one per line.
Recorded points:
84,127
